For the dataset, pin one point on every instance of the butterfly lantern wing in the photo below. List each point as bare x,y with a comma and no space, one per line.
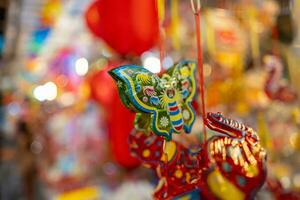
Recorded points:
140,92
163,105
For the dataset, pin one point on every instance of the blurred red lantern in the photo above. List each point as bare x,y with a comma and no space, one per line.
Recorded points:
119,119
128,26
120,124
102,86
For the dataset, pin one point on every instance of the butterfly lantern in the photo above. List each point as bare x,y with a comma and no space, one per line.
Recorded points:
163,104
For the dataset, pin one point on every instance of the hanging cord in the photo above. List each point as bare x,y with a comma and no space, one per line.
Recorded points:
196,10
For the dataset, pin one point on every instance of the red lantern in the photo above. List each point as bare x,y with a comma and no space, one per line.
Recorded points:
102,86
128,26
119,119
120,124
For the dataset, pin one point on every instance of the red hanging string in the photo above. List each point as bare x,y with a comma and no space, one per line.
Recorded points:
196,11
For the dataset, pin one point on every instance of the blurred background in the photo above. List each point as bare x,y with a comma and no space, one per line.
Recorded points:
63,128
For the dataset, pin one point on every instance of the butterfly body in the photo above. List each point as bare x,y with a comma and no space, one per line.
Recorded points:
175,116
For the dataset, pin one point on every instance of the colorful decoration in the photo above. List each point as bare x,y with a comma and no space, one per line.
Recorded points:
129,27
230,165
38,39
177,167
275,87
48,16
163,105
236,160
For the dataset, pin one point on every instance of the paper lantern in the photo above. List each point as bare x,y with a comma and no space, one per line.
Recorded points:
127,26
119,120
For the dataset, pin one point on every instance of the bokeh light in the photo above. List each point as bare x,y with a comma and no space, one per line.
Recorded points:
81,66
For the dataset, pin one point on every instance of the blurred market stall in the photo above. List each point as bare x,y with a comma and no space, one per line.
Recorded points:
65,133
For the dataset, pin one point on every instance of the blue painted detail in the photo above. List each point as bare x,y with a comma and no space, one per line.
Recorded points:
157,153
178,122
138,88
185,93
172,104
41,34
147,142
154,100
159,143
226,167
241,181
194,150
191,195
